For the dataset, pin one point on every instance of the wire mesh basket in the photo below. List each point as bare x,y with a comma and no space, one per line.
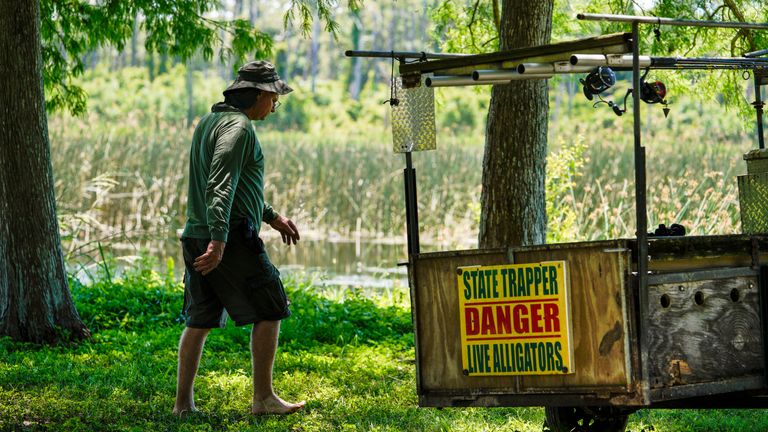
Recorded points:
753,193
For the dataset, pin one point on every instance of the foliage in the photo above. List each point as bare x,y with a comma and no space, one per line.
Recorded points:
128,187
71,29
324,11
354,366
466,27
564,167
696,42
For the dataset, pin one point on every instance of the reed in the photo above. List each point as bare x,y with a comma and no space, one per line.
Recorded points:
122,181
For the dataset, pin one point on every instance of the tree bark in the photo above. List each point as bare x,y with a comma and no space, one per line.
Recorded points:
355,78
135,41
35,302
514,166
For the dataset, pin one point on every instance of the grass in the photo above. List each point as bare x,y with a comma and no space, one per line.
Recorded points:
352,360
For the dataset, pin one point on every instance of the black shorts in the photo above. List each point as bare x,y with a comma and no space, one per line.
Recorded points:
244,285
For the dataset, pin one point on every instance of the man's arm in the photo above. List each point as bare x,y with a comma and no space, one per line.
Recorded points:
226,165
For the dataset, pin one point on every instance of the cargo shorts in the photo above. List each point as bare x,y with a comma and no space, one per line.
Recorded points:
245,285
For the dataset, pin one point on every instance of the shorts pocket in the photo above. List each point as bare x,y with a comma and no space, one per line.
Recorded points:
268,298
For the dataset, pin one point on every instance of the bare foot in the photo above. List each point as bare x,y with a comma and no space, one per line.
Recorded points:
184,412
275,405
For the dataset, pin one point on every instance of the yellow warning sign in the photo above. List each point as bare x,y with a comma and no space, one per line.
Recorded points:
515,319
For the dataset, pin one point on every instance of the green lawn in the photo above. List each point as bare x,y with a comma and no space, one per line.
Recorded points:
352,361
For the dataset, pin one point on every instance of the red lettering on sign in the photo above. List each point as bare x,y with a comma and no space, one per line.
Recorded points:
551,317
519,317
503,320
536,318
488,324
472,321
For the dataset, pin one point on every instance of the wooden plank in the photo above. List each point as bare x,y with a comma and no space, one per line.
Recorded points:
569,47
437,322
704,331
598,281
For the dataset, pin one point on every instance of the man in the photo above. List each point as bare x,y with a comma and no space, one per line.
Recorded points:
228,271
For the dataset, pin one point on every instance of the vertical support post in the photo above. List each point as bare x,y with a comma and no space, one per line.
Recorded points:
411,206
758,104
642,216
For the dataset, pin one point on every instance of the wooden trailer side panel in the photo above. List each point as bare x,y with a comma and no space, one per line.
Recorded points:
437,322
599,315
598,278
704,331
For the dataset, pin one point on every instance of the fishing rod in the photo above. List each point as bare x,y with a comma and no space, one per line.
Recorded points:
402,55
620,61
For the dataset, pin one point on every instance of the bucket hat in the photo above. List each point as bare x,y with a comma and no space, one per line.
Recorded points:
260,75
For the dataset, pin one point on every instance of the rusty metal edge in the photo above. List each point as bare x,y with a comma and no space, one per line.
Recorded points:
752,382
510,400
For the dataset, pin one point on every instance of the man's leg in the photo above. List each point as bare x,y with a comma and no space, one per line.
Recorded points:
263,348
190,350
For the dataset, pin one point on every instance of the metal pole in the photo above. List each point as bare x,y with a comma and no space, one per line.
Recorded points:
401,54
411,207
642,216
759,110
669,21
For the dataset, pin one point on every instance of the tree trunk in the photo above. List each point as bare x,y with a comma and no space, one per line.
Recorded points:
135,41
254,11
514,165
355,78
314,53
35,302
190,94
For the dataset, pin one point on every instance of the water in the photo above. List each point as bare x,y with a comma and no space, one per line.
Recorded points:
333,265
370,265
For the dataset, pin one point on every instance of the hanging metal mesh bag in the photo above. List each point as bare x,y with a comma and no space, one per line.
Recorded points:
413,118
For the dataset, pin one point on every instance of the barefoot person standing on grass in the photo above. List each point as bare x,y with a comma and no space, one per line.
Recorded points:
228,271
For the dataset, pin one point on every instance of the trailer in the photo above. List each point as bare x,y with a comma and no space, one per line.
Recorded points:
594,330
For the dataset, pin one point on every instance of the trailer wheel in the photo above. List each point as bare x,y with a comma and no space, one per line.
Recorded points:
585,419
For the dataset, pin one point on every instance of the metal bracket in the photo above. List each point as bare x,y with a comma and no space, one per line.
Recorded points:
411,80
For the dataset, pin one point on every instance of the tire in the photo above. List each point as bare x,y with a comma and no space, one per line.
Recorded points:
585,419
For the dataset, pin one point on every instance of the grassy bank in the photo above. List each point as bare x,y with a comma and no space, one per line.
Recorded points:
352,360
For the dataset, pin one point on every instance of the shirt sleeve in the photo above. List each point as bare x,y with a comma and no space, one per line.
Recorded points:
269,214
226,165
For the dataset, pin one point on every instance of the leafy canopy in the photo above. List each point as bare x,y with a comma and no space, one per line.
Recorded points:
70,29
471,26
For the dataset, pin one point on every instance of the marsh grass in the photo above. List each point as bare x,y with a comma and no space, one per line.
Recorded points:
120,171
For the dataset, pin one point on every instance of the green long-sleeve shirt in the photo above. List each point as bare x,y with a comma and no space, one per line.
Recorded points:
226,175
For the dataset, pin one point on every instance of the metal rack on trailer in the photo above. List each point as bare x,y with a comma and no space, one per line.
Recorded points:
591,330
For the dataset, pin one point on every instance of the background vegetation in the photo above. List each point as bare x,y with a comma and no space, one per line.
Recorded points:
120,183
330,163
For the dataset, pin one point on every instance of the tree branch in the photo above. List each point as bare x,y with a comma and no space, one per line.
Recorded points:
745,32
472,22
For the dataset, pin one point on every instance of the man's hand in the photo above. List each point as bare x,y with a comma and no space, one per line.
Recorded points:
287,229
208,261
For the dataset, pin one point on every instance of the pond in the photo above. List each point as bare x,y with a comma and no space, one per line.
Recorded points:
330,264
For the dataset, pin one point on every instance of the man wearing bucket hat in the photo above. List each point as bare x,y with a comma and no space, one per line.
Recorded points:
228,272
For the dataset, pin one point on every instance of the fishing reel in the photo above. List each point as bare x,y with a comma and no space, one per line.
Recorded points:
598,81
653,93
650,92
